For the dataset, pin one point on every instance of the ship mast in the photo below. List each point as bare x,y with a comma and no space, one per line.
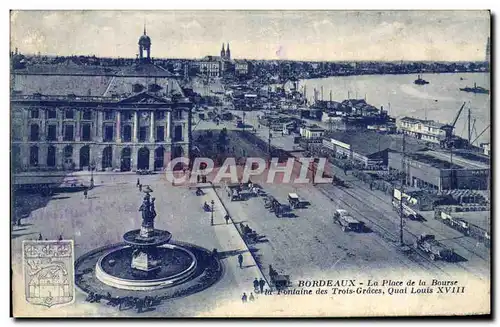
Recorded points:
403,180
468,127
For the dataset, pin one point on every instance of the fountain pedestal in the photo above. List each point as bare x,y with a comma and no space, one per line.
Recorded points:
147,261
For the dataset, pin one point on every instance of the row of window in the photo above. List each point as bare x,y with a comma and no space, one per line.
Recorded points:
52,114
419,127
108,133
84,157
108,115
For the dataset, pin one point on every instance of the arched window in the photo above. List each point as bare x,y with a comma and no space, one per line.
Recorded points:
51,156
34,156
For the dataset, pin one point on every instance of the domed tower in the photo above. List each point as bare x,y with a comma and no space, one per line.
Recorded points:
144,46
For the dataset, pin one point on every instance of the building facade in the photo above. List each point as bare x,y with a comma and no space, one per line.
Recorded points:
241,67
312,132
425,170
223,65
212,66
124,120
427,130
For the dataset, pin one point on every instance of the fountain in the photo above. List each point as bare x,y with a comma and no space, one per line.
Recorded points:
146,261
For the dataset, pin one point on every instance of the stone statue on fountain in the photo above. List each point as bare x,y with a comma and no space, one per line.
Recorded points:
148,215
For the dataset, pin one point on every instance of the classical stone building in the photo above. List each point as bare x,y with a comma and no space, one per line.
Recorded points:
216,66
71,117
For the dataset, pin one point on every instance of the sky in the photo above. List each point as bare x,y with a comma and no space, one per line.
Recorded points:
290,35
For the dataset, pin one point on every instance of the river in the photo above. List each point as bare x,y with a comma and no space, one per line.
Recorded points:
439,100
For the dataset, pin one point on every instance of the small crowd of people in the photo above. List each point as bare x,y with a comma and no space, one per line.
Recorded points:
40,237
258,288
125,302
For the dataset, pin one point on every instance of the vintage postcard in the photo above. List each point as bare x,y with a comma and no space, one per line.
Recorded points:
250,163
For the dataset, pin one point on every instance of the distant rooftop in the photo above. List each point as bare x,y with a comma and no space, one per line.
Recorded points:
459,159
314,128
430,160
73,66
368,142
430,123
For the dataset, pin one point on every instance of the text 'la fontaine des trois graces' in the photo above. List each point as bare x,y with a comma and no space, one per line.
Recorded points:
372,287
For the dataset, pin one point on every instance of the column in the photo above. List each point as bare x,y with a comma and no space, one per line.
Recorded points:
99,125
76,155
136,126
97,156
118,127
26,127
24,155
43,132
59,156
152,128
117,156
60,126
94,125
77,127
133,155
167,129
42,155
152,158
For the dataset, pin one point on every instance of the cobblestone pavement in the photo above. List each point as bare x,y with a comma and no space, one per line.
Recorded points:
110,211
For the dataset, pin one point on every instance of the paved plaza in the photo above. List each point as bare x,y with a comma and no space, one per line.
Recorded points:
111,210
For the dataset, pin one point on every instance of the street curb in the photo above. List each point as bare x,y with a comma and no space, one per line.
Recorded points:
242,238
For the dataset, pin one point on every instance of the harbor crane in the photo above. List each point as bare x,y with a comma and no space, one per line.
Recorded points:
448,142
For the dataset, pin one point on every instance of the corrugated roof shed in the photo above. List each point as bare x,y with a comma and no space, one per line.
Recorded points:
370,142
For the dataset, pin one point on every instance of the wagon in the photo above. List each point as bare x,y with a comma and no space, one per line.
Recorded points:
295,201
347,222
280,281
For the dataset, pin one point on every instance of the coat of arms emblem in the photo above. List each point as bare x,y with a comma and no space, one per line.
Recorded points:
49,272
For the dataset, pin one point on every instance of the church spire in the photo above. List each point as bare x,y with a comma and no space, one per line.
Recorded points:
222,52
144,28
228,52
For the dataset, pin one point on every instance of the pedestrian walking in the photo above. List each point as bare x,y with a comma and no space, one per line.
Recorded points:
138,182
256,285
227,219
240,260
262,283
85,193
60,237
251,298
244,298
40,237
139,304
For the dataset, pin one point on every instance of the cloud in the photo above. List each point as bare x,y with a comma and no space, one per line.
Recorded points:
389,29
320,26
193,25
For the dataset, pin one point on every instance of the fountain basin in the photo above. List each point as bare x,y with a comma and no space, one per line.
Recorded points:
158,237
114,268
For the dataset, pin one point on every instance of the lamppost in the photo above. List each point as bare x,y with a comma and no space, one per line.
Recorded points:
212,213
92,167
